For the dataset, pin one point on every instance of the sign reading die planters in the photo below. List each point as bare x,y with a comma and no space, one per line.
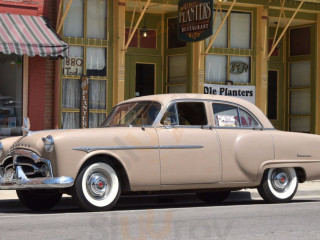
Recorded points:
195,20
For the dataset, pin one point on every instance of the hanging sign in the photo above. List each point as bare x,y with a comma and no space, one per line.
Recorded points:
85,81
245,92
195,20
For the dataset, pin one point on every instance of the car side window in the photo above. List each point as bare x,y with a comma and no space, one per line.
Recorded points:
192,113
231,116
247,120
187,113
225,115
172,114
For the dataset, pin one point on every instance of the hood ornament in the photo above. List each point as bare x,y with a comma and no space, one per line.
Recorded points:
26,127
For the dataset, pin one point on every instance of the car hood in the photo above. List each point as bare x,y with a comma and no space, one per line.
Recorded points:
90,137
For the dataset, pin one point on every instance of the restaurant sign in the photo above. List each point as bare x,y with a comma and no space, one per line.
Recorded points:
72,66
195,20
246,92
85,84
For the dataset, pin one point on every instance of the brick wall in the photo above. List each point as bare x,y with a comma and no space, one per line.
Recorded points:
50,12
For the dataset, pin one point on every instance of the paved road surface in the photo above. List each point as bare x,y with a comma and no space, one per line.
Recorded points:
167,217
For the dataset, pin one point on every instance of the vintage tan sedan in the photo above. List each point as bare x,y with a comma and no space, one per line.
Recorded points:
206,144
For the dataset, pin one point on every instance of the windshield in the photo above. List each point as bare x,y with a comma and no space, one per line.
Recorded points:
133,114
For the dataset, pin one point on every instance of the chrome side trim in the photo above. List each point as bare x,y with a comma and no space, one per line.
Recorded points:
91,149
180,147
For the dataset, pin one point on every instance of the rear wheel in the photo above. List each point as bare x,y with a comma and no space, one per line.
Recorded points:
97,187
39,200
279,185
213,197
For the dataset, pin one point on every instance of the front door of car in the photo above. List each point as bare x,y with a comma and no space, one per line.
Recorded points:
189,148
244,143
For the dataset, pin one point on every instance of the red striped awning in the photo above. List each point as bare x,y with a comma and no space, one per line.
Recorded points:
30,35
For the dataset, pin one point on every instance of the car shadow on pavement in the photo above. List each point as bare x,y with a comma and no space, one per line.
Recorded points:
142,202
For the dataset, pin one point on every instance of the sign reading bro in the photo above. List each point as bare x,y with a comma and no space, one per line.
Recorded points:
195,20
247,92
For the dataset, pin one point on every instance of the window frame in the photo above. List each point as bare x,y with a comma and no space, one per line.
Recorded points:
85,43
238,107
169,84
174,103
236,52
291,89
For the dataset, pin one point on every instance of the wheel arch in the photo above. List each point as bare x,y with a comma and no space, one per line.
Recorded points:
300,171
114,162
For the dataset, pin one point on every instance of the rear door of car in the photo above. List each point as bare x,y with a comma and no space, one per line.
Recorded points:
244,142
189,147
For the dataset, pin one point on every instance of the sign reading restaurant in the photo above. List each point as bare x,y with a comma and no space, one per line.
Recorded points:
195,20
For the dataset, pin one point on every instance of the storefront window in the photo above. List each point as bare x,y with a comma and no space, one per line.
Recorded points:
177,69
71,93
301,124
230,56
240,30
300,74
97,19
10,95
96,61
300,96
300,41
173,41
177,89
70,120
216,68
240,69
97,94
221,40
73,26
177,74
88,57
300,102
73,65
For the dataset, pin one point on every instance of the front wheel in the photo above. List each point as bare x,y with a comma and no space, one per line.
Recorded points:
39,200
279,185
97,187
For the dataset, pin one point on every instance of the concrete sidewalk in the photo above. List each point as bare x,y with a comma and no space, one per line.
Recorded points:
311,188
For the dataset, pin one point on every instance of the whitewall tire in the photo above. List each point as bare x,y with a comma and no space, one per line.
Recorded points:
279,185
97,187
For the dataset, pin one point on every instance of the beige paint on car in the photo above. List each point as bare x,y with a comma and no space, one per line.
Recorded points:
167,158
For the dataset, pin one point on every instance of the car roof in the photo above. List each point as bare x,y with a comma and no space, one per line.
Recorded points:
165,99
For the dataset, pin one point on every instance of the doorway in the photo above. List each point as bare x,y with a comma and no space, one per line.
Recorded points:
144,79
143,76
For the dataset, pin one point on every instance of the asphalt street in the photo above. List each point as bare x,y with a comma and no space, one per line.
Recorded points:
243,216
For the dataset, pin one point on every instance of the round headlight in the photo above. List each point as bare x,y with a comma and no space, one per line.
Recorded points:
1,149
48,143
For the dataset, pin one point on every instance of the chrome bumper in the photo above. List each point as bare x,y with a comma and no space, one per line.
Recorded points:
20,181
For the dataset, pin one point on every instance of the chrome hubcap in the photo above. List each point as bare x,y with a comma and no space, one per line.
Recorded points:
280,180
98,185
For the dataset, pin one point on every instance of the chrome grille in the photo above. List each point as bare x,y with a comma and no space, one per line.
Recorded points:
30,163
